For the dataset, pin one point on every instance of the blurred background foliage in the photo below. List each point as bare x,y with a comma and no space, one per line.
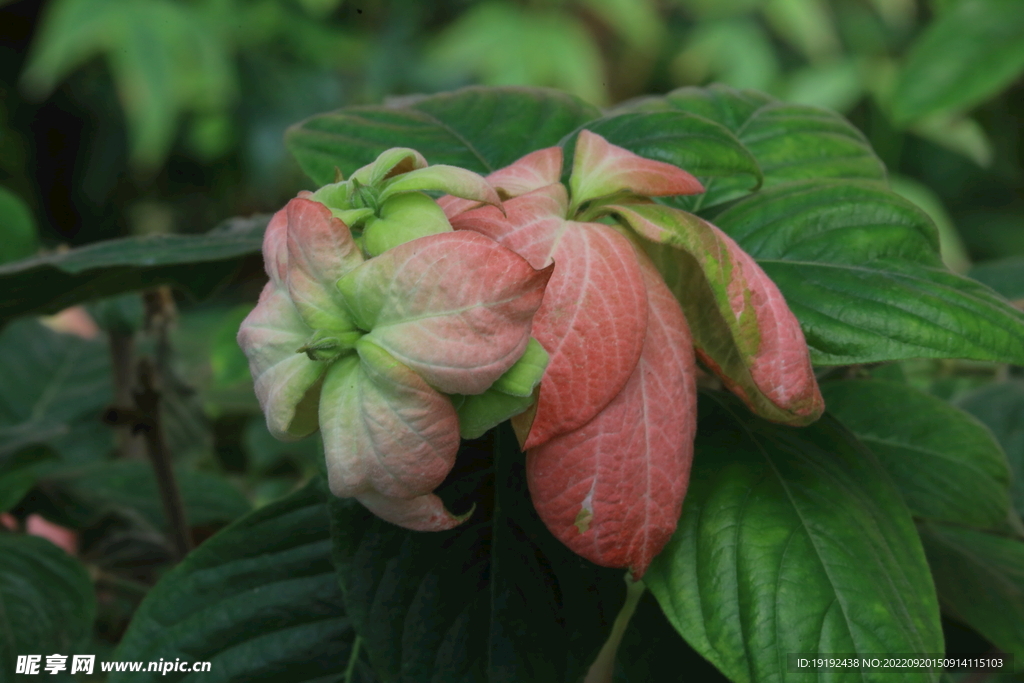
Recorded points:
121,117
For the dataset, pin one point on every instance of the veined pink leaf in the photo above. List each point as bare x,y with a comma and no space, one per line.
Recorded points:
743,329
320,251
532,172
275,249
594,315
286,382
613,490
424,513
601,169
387,434
454,307
391,162
452,180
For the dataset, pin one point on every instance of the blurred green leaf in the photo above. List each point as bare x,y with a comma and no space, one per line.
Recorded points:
209,499
957,133
49,384
501,43
1006,276
197,263
1000,407
792,540
980,580
17,228
47,598
166,61
481,129
805,24
834,85
970,52
637,21
736,52
259,600
944,462
859,267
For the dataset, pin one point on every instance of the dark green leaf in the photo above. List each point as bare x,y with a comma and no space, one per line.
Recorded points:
47,603
1000,407
651,650
197,263
497,599
259,600
17,228
969,53
980,579
945,463
52,386
792,541
789,141
700,146
481,129
1006,276
208,498
859,266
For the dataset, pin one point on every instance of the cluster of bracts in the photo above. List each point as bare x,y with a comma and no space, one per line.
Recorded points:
397,325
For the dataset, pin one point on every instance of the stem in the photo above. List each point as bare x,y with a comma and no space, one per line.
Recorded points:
603,668
353,657
148,400
122,356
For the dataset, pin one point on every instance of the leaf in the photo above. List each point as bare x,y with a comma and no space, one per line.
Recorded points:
259,600
480,129
792,541
789,142
980,579
612,489
17,228
742,328
695,144
130,485
945,463
197,263
859,267
53,388
596,279
459,333
497,599
1006,276
1000,407
47,602
389,438
969,53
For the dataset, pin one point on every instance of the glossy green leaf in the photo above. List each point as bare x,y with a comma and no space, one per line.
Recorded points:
496,599
980,579
789,141
17,228
969,53
480,129
47,603
1000,407
130,485
259,600
792,541
197,263
944,462
704,148
859,267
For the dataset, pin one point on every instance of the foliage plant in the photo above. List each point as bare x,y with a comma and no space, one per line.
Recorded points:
601,395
